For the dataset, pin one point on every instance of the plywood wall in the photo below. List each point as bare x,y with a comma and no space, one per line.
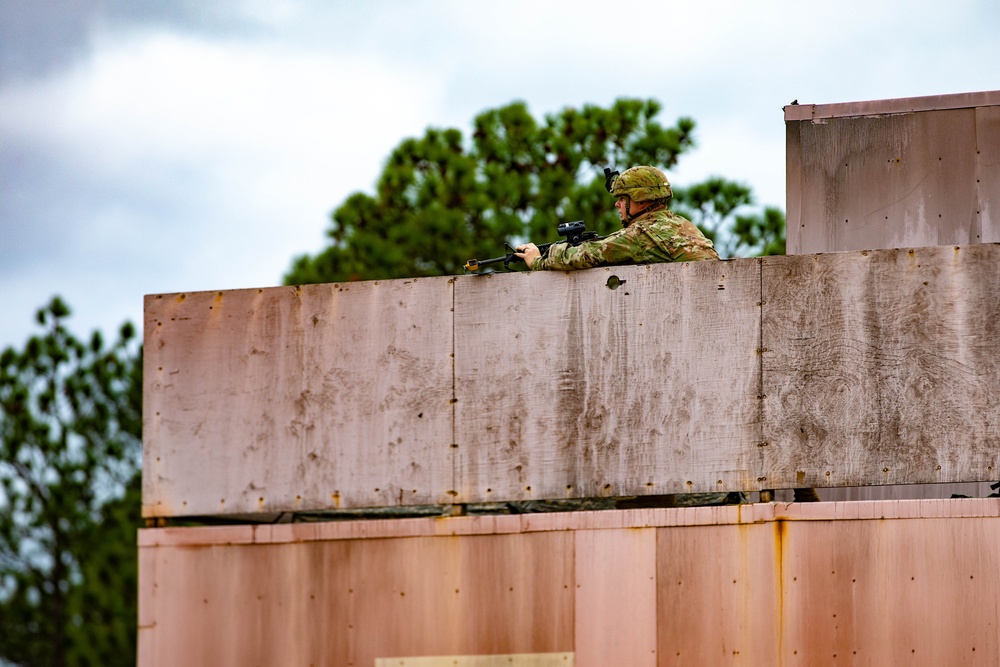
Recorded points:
886,368
567,388
844,369
864,583
893,173
293,398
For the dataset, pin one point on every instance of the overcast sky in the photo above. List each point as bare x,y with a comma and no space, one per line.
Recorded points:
166,146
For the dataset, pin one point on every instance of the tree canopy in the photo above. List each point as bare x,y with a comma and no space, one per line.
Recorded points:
70,444
720,208
442,199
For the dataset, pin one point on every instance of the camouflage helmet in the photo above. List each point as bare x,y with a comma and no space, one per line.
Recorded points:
641,184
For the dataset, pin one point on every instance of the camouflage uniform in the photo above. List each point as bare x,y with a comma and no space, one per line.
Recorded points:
655,235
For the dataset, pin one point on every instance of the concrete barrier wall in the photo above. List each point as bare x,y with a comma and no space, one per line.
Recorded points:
864,583
893,173
831,370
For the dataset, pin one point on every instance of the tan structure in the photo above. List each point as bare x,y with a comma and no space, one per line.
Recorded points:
848,369
859,583
866,368
898,173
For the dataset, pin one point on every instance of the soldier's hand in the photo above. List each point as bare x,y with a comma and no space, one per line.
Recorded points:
529,252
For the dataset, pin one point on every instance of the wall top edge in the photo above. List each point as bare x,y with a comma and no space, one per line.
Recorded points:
522,275
857,510
296,288
800,112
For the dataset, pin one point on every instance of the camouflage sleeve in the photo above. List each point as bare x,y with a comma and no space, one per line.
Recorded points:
616,248
662,237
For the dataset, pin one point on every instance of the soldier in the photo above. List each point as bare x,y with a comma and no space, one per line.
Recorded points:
650,231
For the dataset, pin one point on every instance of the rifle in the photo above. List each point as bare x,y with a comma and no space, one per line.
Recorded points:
575,233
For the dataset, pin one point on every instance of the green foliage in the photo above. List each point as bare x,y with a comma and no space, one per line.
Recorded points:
70,442
723,211
441,200
762,234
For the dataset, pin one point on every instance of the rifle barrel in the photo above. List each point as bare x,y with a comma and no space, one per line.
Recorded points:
475,264
543,248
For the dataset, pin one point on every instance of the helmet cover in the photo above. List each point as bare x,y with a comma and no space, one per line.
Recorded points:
642,183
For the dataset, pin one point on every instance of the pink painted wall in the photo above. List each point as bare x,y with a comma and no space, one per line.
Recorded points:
866,583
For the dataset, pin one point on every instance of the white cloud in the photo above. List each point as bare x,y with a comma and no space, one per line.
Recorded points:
211,164
178,100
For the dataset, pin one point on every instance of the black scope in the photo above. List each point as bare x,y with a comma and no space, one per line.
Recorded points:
575,232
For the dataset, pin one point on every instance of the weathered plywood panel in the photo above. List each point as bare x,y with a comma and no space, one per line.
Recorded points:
903,592
568,388
718,601
879,367
616,597
884,181
988,173
481,595
298,398
146,613
882,367
795,225
351,602
247,605
872,583
893,173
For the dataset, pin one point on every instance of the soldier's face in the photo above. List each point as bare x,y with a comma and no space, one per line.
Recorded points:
620,205
634,208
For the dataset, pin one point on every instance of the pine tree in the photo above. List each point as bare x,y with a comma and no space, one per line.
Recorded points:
442,199
70,444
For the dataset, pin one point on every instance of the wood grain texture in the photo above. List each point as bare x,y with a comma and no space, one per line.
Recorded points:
889,181
882,367
568,388
291,398
795,224
988,174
